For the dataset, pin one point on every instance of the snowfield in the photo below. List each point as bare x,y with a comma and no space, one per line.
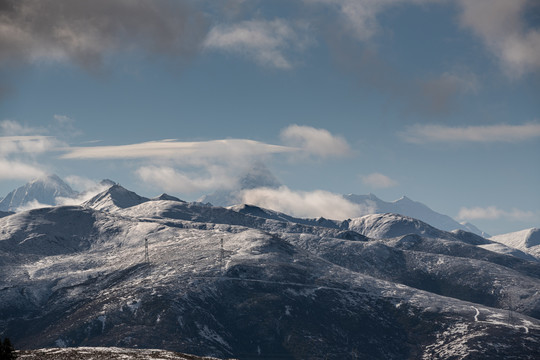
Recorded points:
247,282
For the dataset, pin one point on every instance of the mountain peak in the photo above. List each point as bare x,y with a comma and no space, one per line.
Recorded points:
408,207
113,198
167,197
43,190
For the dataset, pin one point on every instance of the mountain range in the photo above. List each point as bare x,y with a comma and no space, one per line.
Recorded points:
47,190
414,209
249,283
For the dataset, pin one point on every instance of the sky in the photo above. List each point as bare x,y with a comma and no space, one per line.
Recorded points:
435,100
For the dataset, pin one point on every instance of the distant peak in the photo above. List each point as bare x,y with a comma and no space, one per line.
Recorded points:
168,197
115,196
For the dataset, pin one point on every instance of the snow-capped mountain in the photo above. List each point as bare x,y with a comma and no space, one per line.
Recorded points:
248,282
43,190
414,209
527,240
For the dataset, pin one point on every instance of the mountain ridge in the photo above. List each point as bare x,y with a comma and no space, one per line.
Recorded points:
383,285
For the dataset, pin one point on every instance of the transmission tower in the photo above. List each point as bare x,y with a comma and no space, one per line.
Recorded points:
146,257
221,257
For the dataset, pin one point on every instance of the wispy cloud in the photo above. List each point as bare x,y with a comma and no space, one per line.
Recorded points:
494,213
316,142
489,133
269,43
173,149
304,203
378,180
501,25
34,204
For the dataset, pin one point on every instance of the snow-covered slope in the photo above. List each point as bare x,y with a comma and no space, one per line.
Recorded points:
101,353
380,226
527,240
114,198
43,190
414,209
250,283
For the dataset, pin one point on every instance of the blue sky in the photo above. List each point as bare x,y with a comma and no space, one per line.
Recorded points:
435,100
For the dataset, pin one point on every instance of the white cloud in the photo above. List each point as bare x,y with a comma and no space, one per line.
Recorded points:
501,26
34,204
191,167
15,170
267,42
318,142
304,203
488,133
378,180
494,213
172,180
191,152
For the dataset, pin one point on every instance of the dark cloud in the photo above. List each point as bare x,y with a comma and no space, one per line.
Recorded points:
85,31
431,95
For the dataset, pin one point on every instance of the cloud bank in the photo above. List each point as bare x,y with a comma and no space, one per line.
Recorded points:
315,142
190,167
304,203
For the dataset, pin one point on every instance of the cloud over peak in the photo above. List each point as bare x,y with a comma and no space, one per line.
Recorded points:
315,142
304,203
